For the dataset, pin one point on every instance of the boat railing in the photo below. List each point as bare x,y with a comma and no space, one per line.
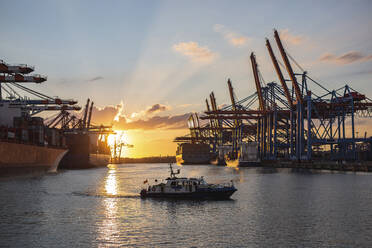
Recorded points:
225,184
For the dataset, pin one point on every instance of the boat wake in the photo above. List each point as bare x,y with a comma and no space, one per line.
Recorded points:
105,195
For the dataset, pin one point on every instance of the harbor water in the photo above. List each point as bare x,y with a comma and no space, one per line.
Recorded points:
102,208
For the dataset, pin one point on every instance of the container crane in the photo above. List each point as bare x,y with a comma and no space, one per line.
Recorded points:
90,115
85,114
236,132
258,83
289,68
280,75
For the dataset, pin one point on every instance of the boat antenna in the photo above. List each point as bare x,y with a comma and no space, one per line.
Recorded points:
172,173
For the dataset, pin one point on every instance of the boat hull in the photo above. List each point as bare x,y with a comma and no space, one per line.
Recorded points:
202,194
18,158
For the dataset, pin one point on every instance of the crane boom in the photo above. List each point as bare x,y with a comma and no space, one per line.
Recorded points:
214,108
65,125
257,81
208,109
206,101
231,91
90,114
288,67
213,101
55,119
85,113
280,74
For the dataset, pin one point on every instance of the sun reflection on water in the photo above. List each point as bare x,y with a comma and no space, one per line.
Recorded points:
111,184
109,231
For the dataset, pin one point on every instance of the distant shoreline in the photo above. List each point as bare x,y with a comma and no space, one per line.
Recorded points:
160,159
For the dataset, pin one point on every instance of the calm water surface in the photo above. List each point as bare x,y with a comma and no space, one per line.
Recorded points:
102,208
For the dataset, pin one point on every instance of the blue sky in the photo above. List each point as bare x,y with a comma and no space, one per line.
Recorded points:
137,50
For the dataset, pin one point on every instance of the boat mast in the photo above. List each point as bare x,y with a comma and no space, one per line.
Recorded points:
172,173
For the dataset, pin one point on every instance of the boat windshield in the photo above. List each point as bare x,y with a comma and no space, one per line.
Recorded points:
202,182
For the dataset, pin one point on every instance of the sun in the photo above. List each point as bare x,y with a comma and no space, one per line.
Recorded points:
120,138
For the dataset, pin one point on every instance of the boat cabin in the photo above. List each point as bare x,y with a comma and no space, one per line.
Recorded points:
187,187
178,185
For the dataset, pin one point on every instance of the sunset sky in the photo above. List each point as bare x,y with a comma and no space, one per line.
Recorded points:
148,64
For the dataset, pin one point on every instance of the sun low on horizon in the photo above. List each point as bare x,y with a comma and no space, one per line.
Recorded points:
119,142
145,143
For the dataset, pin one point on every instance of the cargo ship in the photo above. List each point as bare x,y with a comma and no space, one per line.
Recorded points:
86,151
27,145
189,153
246,156
88,145
17,158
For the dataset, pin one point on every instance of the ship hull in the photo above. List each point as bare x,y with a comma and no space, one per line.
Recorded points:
99,160
193,154
84,161
18,158
218,161
80,156
190,160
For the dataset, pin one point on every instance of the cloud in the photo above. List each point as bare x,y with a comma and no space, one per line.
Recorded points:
113,115
286,36
233,38
149,111
346,58
106,115
156,108
156,122
95,79
187,105
195,52
362,72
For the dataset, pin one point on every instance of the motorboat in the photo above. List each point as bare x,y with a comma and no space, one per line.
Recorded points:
188,188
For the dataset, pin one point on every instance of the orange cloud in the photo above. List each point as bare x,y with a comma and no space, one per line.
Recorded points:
286,36
138,120
346,58
157,108
234,38
196,53
105,115
148,112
